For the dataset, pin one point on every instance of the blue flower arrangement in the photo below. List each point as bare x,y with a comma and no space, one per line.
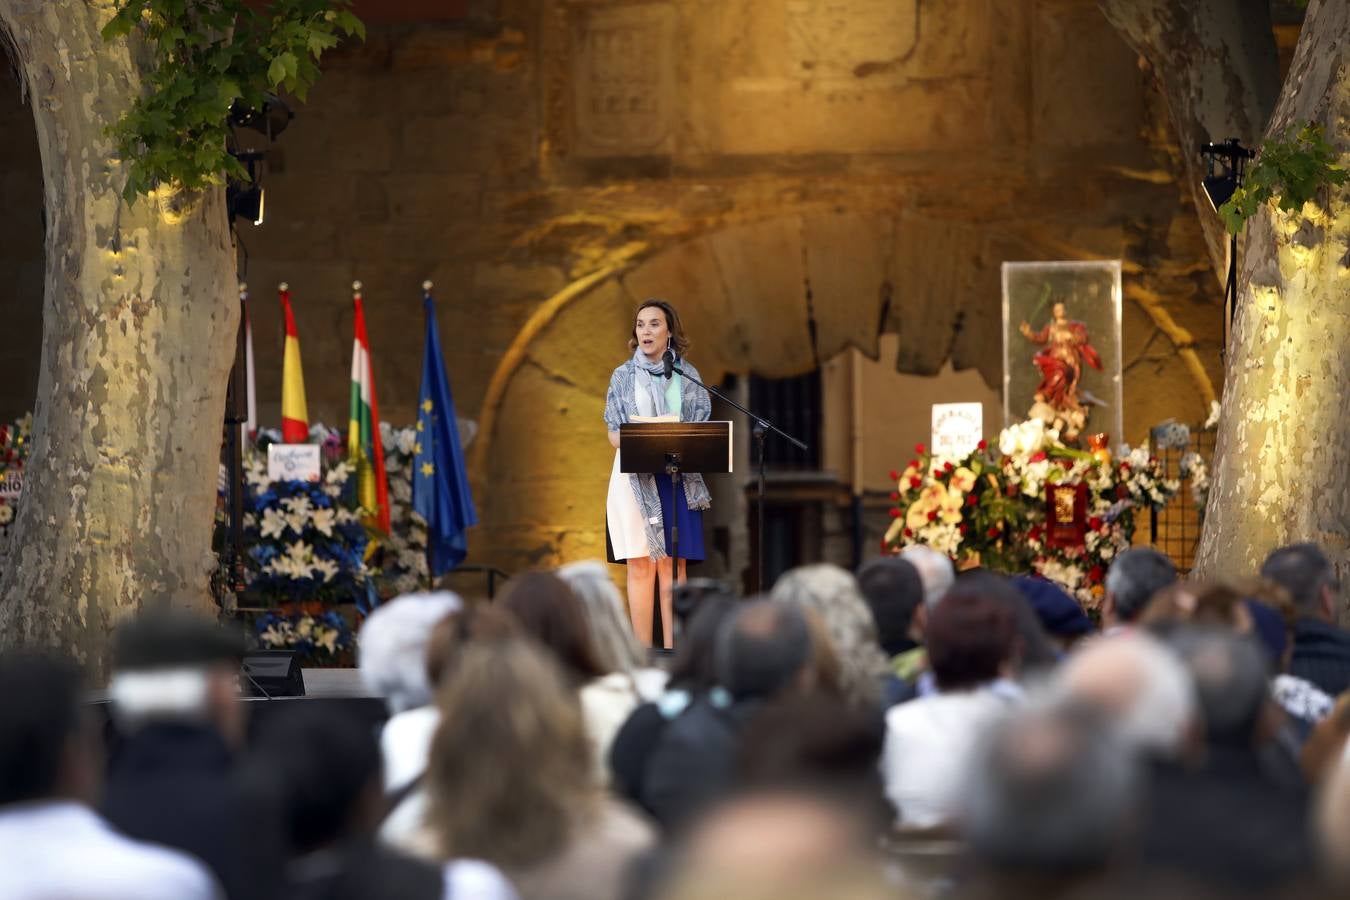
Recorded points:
317,637
305,540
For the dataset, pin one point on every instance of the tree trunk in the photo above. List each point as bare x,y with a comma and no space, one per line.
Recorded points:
1280,471
1216,64
139,320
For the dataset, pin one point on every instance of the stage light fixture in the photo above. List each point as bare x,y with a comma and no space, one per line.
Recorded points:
1224,164
270,121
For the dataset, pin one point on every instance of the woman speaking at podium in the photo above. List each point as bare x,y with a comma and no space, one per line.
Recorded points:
639,509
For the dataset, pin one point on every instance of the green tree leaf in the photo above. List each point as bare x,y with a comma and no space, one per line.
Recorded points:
1289,169
210,54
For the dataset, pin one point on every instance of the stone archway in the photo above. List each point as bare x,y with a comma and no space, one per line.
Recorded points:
775,297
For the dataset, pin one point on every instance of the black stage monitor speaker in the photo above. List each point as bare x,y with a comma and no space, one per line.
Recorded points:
272,673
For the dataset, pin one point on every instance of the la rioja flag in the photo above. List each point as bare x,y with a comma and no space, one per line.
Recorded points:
364,447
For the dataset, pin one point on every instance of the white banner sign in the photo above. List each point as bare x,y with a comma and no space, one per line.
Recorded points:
957,428
293,462
11,484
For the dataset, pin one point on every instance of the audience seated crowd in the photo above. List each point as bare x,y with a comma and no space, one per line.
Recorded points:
911,731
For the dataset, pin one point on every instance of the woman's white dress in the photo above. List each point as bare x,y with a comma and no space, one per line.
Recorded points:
627,530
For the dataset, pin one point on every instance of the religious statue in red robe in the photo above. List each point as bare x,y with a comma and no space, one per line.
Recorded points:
1065,347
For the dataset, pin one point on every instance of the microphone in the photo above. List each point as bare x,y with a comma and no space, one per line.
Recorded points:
668,362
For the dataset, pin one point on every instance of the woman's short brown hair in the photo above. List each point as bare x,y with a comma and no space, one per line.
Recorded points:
677,337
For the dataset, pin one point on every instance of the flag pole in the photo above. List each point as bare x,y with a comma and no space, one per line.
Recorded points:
431,579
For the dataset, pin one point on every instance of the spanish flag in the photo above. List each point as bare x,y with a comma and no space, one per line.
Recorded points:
294,416
365,449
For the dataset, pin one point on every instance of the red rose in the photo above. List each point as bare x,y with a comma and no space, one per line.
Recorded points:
932,515
895,512
915,481
918,448
885,548
1038,456
937,473
1124,466
895,476
1095,523
963,528
972,500
1095,574
913,463
982,445
908,533
993,531
948,467
895,495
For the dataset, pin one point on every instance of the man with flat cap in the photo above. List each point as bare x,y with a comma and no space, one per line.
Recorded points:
173,780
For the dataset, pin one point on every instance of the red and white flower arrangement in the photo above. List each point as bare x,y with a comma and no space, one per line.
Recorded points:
988,508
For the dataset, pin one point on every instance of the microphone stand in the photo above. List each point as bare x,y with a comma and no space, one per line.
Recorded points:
760,430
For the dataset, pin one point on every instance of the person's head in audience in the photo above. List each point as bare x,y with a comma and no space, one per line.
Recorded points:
763,649
1062,619
510,767
811,742
478,622
832,594
1232,683
1136,684
1050,794
935,571
550,612
1305,572
616,647
1133,578
894,593
391,647
692,669
1217,605
1274,620
48,751
176,666
325,765
777,844
972,639
1035,653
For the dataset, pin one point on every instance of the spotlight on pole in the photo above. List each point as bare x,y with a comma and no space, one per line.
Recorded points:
270,121
1224,164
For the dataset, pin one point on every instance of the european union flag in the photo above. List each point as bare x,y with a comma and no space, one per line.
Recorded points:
440,492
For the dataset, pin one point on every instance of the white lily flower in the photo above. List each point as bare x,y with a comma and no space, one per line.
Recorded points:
273,523
322,519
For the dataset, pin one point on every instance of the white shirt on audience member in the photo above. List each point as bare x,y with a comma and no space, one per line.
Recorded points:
928,742
62,850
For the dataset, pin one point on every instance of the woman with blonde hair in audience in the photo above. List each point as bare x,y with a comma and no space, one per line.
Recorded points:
611,633
510,781
832,595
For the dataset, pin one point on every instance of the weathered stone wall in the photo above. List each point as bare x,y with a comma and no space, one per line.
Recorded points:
797,176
